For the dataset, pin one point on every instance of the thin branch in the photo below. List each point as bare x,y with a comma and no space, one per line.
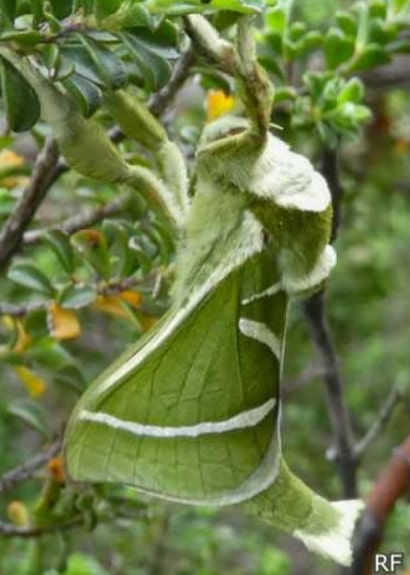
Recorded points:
394,398
111,288
315,313
81,221
302,380
330,171
334,385
164,97
9,479
12,233
8,530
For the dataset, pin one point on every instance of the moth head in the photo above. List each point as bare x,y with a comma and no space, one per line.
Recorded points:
223,128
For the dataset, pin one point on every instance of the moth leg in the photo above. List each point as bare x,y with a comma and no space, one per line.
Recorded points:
252,84
139,124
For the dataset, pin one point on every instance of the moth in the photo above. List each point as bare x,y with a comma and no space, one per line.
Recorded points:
191,412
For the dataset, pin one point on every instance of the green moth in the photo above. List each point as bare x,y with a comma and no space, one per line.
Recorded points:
191,412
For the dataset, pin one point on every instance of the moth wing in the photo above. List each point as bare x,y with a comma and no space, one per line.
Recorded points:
191,413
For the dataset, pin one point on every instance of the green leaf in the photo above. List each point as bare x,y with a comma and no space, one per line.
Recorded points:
81,564
8,8
72,377
352,91
118,233
284,93
136,245
48,353
150,58
32,413
274,562
162,241
191,6
50,55
349,115
276,20
103,8
29,276
21,102
338,48
316,83
76,296
129,15
372,55
274,42
87,94
378,9
61,9
78,57
60,244
310,41
37,11
107,64
24,37
382,32
399,6
92,246
347,23
297,30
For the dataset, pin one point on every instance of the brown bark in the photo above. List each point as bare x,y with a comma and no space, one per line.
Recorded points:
392,484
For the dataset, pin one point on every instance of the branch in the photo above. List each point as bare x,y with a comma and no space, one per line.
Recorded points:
320,332
43,175
8,530
394,398
81,221
339,415
111,288
9,479
164,97
306,377
393,483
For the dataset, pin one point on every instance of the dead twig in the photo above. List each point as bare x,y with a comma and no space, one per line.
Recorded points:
394,398
80,222
315,313
42,177
9,479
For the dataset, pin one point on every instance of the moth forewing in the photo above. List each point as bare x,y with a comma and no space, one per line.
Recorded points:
196,419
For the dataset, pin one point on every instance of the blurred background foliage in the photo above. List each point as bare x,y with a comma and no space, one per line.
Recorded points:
95,267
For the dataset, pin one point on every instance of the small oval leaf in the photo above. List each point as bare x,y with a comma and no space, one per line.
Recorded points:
22,105
29,276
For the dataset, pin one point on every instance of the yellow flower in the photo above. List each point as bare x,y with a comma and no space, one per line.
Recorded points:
218,104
